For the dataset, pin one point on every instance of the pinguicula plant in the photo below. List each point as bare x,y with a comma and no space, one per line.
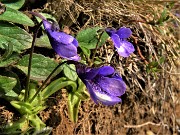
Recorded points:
104,85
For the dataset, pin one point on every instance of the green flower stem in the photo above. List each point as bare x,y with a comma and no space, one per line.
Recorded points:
73,106
47,79
30,62
56,85
94,54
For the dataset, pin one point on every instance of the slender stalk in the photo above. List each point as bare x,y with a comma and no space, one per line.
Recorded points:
30,62
47,79
37,14
92,60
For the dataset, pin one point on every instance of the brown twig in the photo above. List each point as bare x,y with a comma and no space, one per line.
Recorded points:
138,49
142,57
144,124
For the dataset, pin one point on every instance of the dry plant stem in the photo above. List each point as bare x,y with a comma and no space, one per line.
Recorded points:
38,15
30,62
92,60
47,79
142,57
139,51
141,125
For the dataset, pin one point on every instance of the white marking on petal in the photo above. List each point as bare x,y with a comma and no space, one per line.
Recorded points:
121,49
103,96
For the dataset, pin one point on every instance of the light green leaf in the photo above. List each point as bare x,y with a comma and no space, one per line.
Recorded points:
8,73
8,51
36,122
15,4
11,60
43,41
22,107
70,72
41,66
14,35
86,51
15,16
10,95
88,38
6,84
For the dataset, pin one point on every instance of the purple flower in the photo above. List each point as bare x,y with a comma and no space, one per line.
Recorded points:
124,48
103,84
64,45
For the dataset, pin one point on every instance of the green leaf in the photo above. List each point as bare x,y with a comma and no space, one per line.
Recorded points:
73,106
8,73
15,16
33,87
36,122
43,41
11,60
11,94
22,107
15,4
86,51
8,51
11,34
88,38
41,66
6,84
70,72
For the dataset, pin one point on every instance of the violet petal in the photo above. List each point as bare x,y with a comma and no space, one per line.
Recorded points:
117,76
106,70
98,96
61,37
64,50
91,74
106,98
75,58
116,40
47,25
75,42
110,31
124,32
91,87
125,49
113,86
